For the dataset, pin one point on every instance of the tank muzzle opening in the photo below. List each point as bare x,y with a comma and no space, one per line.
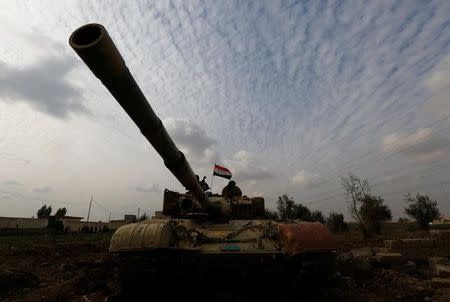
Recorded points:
186,204
86,35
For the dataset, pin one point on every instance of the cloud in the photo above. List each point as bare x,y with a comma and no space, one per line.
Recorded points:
44,189
43,86
309,86
148,188
305,179
421,145
246,167
438,83
192,140
13,183
256,194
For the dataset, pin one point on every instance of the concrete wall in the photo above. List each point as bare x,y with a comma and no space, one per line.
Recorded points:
438,244
35,223
22,223
76,226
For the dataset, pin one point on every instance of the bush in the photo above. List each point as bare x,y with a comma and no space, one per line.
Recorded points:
143,217
268,214
301,212
44,211
423,209
403,220
317,216
336,223
374,213
61,212
285,206
288,209
55,224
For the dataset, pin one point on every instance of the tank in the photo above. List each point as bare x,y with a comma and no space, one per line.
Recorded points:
195,229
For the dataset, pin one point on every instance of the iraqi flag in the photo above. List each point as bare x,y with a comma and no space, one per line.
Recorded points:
222,172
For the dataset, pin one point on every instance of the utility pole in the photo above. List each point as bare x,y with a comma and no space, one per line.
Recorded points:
109,219
89,211
139,209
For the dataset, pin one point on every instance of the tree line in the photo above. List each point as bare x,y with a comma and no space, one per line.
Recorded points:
367,209
54,221
287,208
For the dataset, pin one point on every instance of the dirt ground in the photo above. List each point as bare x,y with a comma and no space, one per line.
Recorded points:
77,267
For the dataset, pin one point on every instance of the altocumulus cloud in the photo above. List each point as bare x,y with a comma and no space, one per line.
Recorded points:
247,167
304,86
192,139
13,182
44,189
438,84
422,145
201,149
305,179
148,188
43,86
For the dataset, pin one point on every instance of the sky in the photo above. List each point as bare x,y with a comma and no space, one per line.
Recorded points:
289,95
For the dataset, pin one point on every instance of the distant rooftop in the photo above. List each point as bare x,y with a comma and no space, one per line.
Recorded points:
70,217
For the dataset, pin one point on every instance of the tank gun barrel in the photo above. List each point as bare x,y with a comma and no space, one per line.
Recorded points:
95,47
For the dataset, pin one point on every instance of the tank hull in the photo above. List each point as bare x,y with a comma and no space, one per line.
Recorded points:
241,237
214,266
165,248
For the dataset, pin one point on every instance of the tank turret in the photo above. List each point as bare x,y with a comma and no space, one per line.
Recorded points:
95,47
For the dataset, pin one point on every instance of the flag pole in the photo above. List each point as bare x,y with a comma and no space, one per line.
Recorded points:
212,178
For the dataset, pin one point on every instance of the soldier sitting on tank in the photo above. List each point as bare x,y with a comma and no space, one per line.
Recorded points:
231,191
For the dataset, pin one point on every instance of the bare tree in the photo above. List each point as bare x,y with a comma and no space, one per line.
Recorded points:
356,190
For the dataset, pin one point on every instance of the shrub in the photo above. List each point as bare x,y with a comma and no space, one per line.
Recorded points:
268,214
374,213
61,212
55,224
285,206
84,229
44,211
302,212
317,216
336,223
423,209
